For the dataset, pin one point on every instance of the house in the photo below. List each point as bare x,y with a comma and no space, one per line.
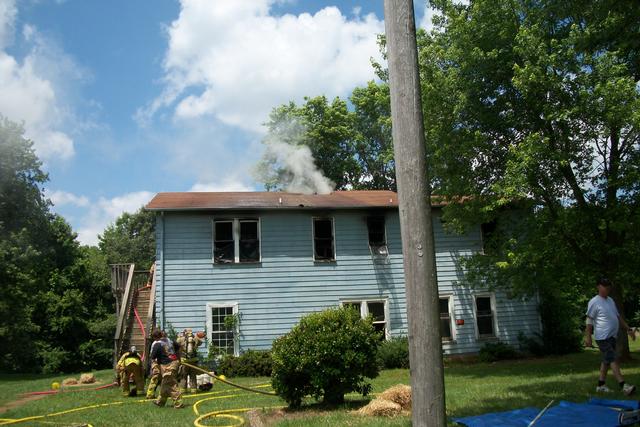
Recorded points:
262,260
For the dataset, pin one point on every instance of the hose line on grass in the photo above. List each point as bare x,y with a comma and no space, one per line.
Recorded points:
211,374
221,414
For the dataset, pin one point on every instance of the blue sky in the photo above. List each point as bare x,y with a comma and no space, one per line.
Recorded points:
127,98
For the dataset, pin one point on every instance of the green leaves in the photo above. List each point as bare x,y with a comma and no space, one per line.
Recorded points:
55,294
350,147
326,355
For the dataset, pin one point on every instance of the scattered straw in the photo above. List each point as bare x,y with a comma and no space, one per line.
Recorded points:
400,394
87,379
69,381
381,408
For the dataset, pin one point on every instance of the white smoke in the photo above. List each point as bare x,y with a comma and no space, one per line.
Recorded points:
289,164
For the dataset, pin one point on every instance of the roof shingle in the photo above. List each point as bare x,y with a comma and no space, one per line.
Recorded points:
273,200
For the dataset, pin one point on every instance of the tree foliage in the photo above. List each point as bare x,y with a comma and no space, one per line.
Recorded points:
55,302
351,147
131,239
538,103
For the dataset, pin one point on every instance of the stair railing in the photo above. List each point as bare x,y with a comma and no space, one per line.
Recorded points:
125,308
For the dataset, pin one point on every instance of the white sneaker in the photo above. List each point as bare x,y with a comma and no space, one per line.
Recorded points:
628,389
604,389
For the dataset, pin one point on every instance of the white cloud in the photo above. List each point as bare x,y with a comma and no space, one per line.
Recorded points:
34,88
62,198
427,13
7,19
105,211
234,61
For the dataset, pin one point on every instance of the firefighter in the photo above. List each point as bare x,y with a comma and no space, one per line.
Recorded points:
189,345
154,373
129,365
154,380
163,352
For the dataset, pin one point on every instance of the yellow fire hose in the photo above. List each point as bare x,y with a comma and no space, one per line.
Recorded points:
222,414
211,374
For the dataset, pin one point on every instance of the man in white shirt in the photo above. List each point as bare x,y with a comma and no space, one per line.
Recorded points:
603,320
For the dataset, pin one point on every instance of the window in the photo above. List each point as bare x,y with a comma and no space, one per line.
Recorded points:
484,316
377,236
236,240
323,245
376,308
446,328
488,234
223,327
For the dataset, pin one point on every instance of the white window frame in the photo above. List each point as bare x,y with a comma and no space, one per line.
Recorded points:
235,230
236,332
333,235
452,317
364,310
492,298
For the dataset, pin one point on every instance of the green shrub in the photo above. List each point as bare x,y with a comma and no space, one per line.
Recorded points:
250,364
494,351
394,354
326,355
532,345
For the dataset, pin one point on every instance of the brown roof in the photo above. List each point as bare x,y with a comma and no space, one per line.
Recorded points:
272,200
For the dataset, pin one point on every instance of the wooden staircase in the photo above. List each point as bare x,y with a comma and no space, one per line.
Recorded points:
135,308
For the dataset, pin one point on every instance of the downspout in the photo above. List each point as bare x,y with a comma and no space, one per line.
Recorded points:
163,322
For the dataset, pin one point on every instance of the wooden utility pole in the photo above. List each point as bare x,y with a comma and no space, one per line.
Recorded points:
414,195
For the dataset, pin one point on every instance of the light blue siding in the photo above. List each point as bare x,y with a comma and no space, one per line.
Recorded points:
287,284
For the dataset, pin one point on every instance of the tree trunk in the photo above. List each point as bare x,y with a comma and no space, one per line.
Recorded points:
622,342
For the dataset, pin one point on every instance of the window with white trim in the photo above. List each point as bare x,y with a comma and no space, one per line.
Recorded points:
222,327
485,316
323,240
447,329
376,308
236,240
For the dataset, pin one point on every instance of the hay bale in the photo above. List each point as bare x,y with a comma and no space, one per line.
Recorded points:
69,381
87,379
400,394
380,408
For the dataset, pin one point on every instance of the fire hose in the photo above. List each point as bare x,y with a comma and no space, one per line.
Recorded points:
211,374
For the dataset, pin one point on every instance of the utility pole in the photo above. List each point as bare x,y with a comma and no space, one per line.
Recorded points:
414,195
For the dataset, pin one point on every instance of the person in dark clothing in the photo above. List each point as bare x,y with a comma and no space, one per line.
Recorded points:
164,353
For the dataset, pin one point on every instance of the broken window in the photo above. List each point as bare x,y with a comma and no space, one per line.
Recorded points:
323,248
484,316
446,330
224,247
236,240
249,241
377,237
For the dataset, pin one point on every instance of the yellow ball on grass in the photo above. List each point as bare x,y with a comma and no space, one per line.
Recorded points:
55,385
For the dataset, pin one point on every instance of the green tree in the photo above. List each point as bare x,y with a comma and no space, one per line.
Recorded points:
23,221
538,103
351,147
55,302
131,239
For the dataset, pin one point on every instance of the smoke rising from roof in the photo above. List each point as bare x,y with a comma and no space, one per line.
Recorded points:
288,164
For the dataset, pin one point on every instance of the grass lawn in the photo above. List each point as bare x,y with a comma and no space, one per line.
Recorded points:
470,389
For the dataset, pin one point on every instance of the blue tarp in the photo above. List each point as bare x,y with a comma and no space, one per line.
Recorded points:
596,413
